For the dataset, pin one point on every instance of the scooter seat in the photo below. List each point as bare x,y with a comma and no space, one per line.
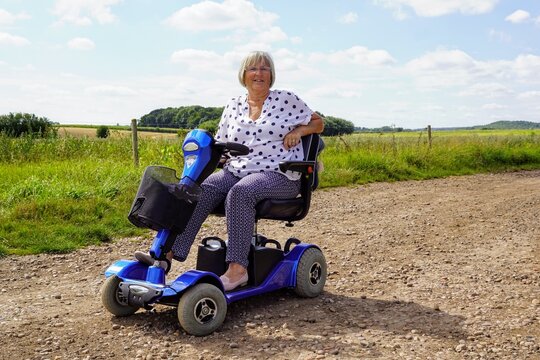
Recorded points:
273,209
296,208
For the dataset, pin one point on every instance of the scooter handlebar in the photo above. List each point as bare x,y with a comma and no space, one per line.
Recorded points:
232,148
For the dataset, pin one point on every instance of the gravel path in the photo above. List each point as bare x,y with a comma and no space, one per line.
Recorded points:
438,269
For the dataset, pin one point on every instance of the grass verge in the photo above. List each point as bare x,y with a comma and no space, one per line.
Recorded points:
61,194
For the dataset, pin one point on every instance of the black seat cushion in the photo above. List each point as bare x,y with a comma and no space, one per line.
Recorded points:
279,209
273,209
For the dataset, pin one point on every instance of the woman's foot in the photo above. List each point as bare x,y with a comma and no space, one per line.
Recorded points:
235,276
147,259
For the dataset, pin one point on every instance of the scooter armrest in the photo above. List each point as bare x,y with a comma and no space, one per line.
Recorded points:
304,167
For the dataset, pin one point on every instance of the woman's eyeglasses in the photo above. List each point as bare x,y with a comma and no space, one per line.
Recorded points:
253,69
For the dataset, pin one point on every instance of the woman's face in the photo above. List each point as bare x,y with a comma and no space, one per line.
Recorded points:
258,77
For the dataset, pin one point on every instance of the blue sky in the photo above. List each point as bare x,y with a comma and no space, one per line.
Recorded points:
407,63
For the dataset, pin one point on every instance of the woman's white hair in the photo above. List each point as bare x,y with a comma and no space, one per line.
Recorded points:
254,58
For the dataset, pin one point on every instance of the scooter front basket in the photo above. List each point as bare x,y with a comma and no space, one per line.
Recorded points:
155,206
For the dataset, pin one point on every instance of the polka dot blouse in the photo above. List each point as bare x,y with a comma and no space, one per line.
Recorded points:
282,111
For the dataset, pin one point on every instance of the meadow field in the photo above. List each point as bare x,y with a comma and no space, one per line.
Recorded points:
60,194
116,132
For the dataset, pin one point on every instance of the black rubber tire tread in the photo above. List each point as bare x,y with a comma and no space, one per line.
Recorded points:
187,304
304,287
109,291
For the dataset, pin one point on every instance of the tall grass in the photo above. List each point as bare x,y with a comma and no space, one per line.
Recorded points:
362,158
57,195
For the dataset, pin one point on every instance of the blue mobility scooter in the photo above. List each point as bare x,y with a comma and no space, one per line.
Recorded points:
165,203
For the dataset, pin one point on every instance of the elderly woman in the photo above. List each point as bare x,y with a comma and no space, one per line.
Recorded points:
270,123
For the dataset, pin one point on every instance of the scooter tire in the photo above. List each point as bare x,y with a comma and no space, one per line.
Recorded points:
110,291
202,309
311,273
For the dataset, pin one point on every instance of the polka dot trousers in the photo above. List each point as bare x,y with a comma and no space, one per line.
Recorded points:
241,195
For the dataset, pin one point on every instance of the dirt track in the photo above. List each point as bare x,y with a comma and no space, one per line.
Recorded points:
440,269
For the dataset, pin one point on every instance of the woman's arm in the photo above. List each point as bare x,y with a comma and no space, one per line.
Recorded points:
315,125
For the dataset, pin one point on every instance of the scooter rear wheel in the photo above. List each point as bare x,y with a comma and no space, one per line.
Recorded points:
311,273
110,297
202,309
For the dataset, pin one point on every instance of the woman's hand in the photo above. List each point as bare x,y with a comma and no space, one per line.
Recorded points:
292,139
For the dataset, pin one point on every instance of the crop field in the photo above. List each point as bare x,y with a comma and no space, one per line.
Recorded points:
64,193
90,132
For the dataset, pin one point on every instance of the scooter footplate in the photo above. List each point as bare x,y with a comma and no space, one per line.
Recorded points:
138,295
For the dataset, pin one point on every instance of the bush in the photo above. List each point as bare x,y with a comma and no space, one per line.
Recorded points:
21,124
335,126
210,125
103,132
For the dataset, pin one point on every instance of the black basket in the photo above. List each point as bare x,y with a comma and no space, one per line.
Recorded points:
155,206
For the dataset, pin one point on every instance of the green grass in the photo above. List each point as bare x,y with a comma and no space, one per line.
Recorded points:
363,158
61,194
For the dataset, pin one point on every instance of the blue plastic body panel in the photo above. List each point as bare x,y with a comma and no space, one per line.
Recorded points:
282,276
134,270
204,142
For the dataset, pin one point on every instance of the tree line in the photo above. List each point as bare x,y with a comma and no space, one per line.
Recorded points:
22,124
186,117
190,117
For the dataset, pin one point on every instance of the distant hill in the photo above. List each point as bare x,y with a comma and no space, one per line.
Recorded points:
506,124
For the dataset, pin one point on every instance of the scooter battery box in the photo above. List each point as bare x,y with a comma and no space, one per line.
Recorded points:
211,255
261,262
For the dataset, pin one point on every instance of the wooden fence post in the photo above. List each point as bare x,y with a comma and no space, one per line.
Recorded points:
429,135
135,142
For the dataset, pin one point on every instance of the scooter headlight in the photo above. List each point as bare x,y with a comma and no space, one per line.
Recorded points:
190,159
191,146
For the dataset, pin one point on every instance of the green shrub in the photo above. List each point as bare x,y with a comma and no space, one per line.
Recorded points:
210,125
103,132
21,124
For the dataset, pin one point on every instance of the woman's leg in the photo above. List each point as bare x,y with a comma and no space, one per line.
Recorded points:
240,210
214,191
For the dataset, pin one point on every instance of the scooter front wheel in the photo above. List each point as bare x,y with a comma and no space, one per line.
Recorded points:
111,297
202,309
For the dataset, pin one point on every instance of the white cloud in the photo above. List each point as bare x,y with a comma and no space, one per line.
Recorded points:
84,12
499,35
430,8
358,55
7,18
338,91
193,57
530,95
486,90
81,44
110,90
527,68
518,16
8,39
442,60
273,34
493,106
208,62
349,18
296,39
444,68
228,15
